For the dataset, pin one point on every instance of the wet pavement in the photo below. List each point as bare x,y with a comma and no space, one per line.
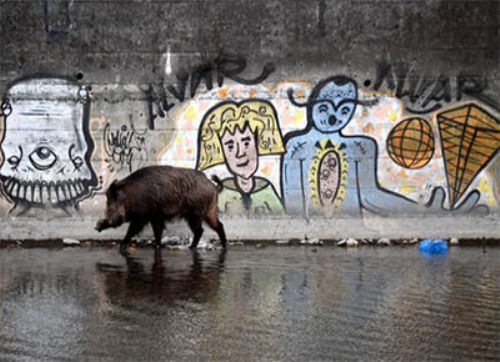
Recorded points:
271,303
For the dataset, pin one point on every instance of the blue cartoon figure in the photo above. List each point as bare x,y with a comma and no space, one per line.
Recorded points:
326,172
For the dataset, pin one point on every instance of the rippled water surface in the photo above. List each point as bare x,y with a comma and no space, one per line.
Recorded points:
273,303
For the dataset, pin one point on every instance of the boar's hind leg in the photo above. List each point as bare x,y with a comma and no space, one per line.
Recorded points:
134,228
213,221
158,227
195,225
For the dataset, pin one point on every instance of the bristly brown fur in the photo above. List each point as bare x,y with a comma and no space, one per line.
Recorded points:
156,194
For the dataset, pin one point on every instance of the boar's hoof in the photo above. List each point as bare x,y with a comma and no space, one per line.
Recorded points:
124,250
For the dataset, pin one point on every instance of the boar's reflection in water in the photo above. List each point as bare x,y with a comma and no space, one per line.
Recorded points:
192,276
157,194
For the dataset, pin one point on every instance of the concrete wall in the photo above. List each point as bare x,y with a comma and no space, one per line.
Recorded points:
311,110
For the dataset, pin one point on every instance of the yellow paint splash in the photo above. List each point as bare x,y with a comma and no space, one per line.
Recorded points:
405,187
179,139
393,116
485,188
298,117
190,114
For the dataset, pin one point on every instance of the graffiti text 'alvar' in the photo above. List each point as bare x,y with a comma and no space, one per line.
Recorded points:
427,94
163,96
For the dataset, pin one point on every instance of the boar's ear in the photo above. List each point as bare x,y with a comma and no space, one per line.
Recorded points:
112,190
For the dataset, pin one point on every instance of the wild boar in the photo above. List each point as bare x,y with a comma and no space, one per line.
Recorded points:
157,194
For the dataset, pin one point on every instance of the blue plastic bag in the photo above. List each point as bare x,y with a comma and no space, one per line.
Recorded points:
433,246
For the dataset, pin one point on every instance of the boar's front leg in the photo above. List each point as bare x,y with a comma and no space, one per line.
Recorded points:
158,227
195,225
134,228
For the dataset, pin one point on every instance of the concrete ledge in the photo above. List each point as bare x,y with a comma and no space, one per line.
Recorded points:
270,228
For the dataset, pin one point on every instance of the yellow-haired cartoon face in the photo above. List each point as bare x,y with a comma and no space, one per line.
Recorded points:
238,134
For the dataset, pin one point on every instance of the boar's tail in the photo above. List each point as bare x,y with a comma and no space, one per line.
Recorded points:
218,181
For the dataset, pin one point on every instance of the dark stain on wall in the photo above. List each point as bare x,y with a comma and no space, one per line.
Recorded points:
57,17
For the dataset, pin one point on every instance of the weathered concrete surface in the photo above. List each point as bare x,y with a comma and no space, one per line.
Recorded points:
142,76
124,41
271,229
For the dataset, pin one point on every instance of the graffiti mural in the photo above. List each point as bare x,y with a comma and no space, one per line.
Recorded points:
125,147
46,145
288,148
238,134
470,139
325,171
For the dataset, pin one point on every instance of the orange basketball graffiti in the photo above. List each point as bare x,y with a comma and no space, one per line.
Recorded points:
411,143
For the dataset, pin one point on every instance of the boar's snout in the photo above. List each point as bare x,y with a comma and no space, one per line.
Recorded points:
107,223
101,225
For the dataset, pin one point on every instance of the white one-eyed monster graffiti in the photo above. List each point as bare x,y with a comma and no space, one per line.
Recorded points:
325,171
46,145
